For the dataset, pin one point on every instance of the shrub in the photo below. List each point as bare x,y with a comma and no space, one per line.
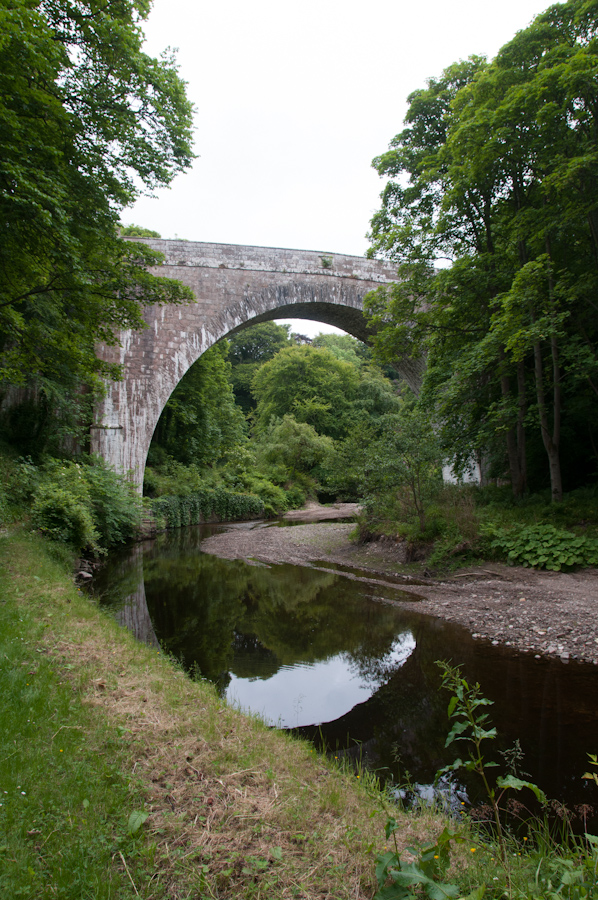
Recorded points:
207,504
295,496
116,506
85,504
62,516
273,497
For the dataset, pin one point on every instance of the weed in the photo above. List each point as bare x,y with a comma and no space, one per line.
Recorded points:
545,547
536,867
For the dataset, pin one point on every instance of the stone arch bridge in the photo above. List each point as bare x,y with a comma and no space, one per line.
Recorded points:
234,287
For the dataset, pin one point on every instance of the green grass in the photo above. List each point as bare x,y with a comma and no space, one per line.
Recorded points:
65,794
96,727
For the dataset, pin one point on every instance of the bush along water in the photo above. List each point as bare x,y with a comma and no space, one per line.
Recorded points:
465,863
203,505
81,503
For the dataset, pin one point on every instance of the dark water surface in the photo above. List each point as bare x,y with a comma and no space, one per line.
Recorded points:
314,651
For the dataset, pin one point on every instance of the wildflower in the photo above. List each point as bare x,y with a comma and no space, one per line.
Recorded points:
472,849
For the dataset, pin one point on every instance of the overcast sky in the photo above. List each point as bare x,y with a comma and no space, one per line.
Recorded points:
293,101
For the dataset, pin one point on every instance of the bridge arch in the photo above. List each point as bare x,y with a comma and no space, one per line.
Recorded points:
234,286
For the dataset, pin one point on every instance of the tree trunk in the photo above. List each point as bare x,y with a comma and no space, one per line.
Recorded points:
550,441
514,446
522,409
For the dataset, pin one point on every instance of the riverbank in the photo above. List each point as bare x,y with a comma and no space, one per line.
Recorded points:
123,777
544,613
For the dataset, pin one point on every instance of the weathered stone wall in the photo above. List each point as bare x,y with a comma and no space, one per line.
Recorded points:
234,286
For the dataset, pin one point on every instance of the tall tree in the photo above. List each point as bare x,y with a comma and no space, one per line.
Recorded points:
87,122
250,349
201,422
310,384
508,194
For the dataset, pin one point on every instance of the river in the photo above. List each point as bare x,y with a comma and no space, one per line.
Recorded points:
334,660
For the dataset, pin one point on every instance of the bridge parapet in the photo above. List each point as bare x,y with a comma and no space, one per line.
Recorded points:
273,260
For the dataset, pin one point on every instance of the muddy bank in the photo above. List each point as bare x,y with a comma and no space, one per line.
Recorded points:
544,613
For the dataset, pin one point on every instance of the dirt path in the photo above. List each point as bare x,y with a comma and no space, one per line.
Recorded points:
547,613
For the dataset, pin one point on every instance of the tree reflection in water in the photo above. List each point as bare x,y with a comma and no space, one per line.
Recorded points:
240,623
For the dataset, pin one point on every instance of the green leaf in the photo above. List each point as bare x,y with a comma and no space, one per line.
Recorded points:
517,784
458,729
136,820
476,894
393,892
383,861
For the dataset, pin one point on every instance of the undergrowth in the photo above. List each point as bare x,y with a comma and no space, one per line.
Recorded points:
466,524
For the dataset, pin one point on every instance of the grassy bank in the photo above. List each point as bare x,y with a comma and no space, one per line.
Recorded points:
121,777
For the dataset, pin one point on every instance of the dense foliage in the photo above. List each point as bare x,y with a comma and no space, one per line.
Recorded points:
312,385
310,409
87,121
201,421
249,349
217,504
83,504
496,172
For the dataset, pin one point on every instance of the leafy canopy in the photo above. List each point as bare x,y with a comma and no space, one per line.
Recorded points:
87,122
495,173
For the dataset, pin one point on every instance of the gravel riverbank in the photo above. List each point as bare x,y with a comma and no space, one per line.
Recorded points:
544,613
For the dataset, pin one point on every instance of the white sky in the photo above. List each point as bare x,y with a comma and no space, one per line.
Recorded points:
292,104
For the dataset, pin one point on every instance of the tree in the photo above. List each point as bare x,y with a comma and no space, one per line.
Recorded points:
249,349
310,384
344,347
201,423
497,173
289,451
402,470
87,122
258,343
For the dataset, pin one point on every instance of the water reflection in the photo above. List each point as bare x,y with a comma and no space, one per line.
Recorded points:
312,693
308,650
